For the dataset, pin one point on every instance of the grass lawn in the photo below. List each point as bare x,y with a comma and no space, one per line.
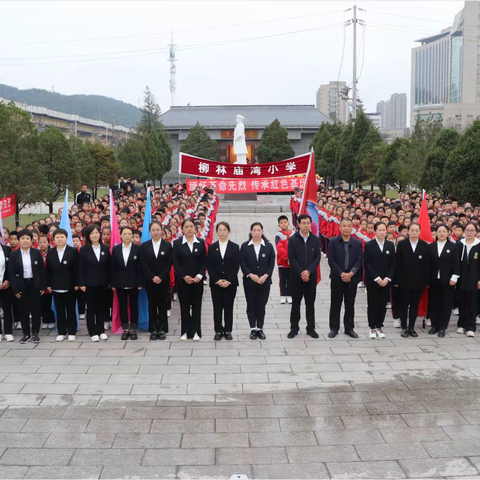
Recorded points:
389,193
24,220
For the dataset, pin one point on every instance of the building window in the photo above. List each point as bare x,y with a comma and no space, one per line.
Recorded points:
458,117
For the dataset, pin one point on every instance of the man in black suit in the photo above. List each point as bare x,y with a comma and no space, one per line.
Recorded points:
83,196
379,261
28,282
62,270
345,256
6,297
412,275
304,257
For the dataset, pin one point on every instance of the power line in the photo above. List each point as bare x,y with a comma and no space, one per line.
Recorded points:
343,49
362,43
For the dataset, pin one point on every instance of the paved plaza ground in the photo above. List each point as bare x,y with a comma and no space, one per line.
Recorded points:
302,408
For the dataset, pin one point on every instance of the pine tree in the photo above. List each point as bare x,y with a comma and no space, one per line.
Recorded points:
274,145
200,144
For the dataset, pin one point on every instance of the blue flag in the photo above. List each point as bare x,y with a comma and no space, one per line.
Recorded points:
143,317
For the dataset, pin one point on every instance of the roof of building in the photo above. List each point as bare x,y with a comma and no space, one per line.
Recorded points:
256,116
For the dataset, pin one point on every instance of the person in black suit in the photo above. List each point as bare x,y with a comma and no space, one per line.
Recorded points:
345,256
94,279
257,260
189,263
156,262
444,274
304,258
379,262
412,275
28,281
223,264
469,282
62,279
6,296
126,279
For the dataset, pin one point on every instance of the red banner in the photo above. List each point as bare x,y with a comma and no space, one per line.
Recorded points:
199,167
8,205
249,186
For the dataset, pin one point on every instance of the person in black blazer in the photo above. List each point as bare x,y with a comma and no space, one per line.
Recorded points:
94,279
412,275
126,279
444,274
379,262
189,263
345,256
62,279
156,262
6,296
27,278
223,264
469,282
257,260
304,258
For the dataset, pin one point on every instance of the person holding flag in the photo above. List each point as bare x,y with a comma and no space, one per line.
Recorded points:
6,296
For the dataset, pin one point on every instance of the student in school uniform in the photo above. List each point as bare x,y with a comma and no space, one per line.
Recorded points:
28,282
281,243
126,279
94,279
48,317
189,262
62,279
6,296
223,265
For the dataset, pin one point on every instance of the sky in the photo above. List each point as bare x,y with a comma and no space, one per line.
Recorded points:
228,52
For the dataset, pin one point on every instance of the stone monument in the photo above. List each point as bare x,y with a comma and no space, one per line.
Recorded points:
239,143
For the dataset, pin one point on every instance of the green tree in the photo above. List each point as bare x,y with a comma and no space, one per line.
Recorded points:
150,113
200,144
462,168
20,170
132,159
346,155
371,159
58,162
105,165
84,162
326,164
424,134
274,145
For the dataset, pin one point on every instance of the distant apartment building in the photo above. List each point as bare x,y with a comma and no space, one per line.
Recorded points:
445,81
376,119
330,103
393,112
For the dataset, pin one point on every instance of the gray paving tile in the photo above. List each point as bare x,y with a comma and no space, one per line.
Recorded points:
143,413
183,400
282,439
293,471
152,440
22,440
409,435
251,456
431,468
11,424
275,411
137,472
217,412
183,426
458,448
374,421
218,389
259,399
64,472
94,412
359,397
80,440
247,425
435,419
391,451
324,453
105,456
368,436
302,399
64,425
36,456
309,424
368,470
12,472
118,426
215,440
180,456
213,472
128,400
463,432
394,408
34,412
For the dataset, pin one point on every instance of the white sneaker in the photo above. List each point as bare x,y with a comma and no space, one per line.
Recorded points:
93,339
380,333
455,311
60,338
9,338
289,300
106,325
71,338
361,284
51,325
389,306
470,334
478,320
44,326
397,323
169,313
196,338
428,322
81,316
324,255
372,334
183,338
460,330
283,300
175,297
103,336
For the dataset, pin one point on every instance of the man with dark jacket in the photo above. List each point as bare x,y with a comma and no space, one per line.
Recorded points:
304,257
83,196
345,256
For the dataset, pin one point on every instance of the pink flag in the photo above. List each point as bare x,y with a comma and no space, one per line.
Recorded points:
116,322
426,235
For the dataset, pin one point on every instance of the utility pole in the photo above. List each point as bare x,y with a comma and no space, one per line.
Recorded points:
173,70
354,86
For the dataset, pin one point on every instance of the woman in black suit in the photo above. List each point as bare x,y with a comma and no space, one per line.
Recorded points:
223,265
257,259
444,273
469,282
189,263
126,280
94,279
6,296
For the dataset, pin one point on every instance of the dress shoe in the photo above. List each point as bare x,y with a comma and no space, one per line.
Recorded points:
217,337
291,334
125,335
161,335
153,336
133,335
351,334
432,331
412,333
261,335
228,336
332,334
253,335
404,334
313,334
441,333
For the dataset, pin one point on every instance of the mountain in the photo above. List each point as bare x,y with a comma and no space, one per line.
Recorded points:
96,107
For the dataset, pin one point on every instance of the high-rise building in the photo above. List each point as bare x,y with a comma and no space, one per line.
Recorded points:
445,81
394,112
330,103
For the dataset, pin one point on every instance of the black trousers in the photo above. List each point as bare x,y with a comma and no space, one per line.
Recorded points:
157,306
257,298
6,299
222,299
440,303
81,301
128,297
377,298
342,292
467,309
30,303
47,312
308,291
66,313
284,274
97,309
396,302
409,301
190,298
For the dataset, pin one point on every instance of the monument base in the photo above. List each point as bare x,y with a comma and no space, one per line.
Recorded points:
240,196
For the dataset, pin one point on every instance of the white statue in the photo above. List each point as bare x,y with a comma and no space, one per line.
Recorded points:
239,143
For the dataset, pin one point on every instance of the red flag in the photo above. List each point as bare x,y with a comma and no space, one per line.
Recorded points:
425,235
116,322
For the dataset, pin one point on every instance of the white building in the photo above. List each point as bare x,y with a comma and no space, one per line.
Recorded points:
376,119
330,103
393,112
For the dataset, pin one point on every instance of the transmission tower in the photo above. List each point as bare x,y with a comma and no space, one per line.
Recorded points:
173,70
